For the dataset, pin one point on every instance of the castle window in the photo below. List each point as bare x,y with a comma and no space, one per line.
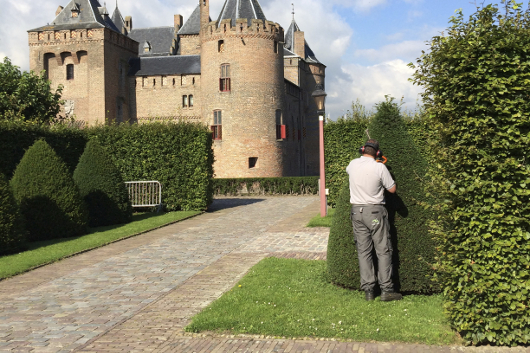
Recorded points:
281,129
70,72
184,101
190,100
173,82
252,162
224,81
275,47
221,46
217,131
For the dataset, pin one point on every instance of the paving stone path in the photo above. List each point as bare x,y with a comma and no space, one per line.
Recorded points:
137,295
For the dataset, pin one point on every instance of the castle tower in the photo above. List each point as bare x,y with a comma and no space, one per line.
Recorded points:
243,88
83,50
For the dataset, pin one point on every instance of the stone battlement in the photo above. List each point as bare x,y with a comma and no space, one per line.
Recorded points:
258,28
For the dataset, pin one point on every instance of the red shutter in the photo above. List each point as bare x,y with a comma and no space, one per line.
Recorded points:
283,131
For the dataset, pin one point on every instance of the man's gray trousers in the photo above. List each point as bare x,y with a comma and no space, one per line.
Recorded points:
371,229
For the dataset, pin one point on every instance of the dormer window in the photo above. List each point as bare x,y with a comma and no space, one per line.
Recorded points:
75,11
147,47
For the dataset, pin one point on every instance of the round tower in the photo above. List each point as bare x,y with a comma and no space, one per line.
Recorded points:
242,83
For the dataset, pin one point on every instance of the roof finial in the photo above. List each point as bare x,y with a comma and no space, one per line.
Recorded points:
293,10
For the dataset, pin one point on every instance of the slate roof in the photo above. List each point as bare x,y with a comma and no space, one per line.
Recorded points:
118,20
89,17
159,38
234,9
165,65
193,24
289,44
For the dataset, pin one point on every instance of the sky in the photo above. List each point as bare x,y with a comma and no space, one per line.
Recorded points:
365,44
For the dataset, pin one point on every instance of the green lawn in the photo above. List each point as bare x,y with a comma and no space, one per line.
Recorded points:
318,221
44,252
291,298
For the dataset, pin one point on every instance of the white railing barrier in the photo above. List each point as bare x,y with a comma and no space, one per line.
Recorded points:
145,193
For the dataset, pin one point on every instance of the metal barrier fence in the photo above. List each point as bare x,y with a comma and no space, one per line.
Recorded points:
145,193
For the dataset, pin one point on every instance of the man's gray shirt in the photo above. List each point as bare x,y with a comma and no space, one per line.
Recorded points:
368,180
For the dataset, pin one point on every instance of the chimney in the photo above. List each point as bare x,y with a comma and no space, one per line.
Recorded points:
128,24
59,9
178,22
299,44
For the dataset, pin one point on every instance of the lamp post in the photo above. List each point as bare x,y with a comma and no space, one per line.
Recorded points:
320,98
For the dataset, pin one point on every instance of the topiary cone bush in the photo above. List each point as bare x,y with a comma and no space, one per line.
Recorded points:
102,187
342,260
49,200
12,234
414,248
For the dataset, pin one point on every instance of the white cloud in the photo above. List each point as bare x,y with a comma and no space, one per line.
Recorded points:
370,84
406,50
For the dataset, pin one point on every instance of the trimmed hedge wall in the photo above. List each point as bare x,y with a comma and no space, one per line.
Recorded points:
267,186
102,187
179,155
12,233
48,197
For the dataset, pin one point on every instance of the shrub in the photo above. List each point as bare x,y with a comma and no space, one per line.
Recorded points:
413,247
49,200
178,155
267,186
12,234
476,80
102,187
342,260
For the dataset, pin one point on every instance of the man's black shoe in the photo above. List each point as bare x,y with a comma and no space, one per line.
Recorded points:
390,296
369,295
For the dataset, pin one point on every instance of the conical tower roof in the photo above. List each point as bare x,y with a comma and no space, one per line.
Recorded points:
117,19
88,15
234,9
290,44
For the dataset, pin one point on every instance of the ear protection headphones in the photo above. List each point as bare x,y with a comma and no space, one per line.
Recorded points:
374,146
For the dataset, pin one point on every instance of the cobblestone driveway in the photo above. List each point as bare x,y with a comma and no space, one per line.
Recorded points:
138,294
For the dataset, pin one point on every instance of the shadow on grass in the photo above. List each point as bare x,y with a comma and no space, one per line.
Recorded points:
135,218
223,204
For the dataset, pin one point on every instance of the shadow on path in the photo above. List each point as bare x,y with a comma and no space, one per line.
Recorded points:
223,204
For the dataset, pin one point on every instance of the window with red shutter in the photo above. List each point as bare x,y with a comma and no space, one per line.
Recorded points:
224,80
217,128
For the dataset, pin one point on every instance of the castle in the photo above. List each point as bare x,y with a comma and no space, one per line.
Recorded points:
243,76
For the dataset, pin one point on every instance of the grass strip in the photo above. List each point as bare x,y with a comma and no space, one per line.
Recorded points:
45,252
292,298
318,221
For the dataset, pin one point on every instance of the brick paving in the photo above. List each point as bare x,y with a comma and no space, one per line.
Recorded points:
137,295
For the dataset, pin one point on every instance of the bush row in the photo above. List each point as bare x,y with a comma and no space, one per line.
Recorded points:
179,155
266,186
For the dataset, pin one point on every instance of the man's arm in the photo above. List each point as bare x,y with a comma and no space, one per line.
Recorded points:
392,190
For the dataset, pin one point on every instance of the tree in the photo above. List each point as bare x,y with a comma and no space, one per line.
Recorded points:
12,234
476,79
25,96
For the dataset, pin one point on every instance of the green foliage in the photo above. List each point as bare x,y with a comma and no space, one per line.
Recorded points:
16,138
26,96
178,155
342,259
267,186
12,234
476,80
49,200
414,249
102,187
342,141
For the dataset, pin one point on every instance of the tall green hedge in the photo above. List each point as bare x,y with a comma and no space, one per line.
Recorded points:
178,155
414,250
266,186
476,79
12,233
49,199
102,187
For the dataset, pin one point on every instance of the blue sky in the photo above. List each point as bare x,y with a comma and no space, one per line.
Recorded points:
366,44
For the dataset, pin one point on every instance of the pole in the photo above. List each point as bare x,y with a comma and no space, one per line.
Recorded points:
323,201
